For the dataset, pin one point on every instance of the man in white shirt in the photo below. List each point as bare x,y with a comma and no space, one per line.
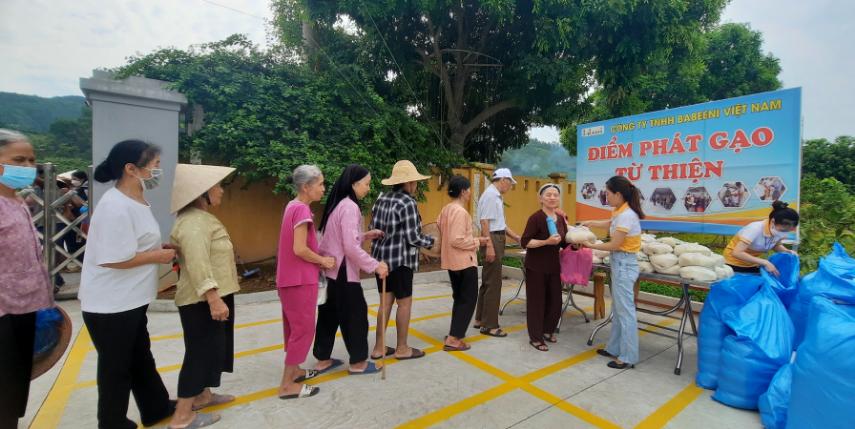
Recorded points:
491,215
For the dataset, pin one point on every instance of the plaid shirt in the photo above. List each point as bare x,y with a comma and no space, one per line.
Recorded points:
396,214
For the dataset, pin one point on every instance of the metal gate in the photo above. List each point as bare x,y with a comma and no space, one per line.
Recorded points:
48,215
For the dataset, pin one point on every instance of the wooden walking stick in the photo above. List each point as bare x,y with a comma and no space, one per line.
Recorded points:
383,330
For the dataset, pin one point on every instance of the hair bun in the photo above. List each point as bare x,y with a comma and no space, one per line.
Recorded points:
777,205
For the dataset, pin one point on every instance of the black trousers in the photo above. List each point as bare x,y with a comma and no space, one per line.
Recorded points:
125,365
543,303
17,334
464,287
208,347
345,308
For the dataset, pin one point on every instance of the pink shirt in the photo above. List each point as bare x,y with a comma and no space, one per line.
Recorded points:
24,282
458,246
342,239
292,270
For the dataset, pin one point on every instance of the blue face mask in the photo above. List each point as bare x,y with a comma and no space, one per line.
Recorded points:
17,177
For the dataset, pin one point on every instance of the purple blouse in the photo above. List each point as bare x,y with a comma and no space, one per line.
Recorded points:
24,284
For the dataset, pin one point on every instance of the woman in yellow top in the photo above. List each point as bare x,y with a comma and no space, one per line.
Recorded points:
625,232
205,292
758,238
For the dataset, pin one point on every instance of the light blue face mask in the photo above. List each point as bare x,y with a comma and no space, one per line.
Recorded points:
17,177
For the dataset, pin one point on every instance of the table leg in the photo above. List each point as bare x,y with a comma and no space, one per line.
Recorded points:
601,325
570,302
516,295
687,308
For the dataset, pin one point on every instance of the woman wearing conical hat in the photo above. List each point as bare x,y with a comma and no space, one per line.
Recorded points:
205,292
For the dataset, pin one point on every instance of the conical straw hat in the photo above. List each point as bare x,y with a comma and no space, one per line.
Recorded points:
191,181
404,171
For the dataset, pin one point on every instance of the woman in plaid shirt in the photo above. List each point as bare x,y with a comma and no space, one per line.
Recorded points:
397,215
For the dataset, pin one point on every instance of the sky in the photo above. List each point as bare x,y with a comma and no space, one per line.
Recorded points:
46,46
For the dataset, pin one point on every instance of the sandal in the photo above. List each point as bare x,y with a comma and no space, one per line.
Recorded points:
305,392
200,420
414,354
499,333
461,348
389,352
335,363
539,346
615,365
310,374
216,399
550,338
603,352
370,369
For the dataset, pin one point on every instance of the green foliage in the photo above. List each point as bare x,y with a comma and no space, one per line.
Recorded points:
265,114
30,113
827,215
479,73
824,159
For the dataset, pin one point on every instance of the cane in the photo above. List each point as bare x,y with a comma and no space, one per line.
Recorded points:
383,330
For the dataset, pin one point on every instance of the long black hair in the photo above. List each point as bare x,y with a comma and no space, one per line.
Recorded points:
343,188
783,215
135,152
621,185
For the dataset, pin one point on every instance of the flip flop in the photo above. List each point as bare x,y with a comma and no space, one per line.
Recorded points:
462,348
309,374
550,338
415,354
216,399
498,334
389,352
370,369
335,364
305,392
201,420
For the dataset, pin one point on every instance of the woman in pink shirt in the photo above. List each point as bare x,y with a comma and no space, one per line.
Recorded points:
345,306
458,249
297,279
24,284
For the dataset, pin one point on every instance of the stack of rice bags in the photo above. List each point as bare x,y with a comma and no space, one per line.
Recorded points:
692,261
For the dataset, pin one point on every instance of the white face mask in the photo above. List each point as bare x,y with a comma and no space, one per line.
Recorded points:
153,181
76,183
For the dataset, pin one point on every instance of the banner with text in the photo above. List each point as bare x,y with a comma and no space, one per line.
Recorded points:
708,168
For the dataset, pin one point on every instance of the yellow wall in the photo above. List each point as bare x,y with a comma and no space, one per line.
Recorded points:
253,215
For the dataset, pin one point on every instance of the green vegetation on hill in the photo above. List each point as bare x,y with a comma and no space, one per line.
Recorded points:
31,113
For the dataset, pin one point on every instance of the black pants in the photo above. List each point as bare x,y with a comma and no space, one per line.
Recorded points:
208,347
125,365
17,334
464,286
543,303
345,307
745,270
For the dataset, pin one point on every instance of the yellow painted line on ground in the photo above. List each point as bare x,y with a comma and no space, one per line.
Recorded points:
54,405
443,414
664,414
569,408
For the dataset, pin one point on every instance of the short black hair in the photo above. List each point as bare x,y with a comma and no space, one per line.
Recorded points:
457,185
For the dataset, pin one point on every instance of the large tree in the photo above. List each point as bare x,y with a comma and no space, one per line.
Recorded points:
482,72
824,159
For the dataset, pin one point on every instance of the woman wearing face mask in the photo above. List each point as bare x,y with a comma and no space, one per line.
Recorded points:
625,241
118,282
345,306
758,238
205,292
24,284
542,239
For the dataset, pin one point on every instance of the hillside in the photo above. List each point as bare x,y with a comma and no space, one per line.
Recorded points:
33,113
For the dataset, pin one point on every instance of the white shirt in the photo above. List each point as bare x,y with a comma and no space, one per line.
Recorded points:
760,237
120,228
491,207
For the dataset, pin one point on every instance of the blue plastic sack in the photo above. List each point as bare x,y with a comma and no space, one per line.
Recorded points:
763,344
786,283
724,294
47,334
835,279
823,389
774,403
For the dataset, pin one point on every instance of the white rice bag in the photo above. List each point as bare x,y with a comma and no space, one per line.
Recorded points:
656,248
647,238
664,261
671,241
691,248
723,272
701,274
579,234
645,267
674,270
719,260
697,260
642,257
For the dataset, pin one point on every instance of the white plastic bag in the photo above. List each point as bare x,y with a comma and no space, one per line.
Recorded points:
645,267
656,248
697,260
579,234
664,261
642,257
671,241
723,272
701,274
602,253
674,270
647,238
719,260
691,248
